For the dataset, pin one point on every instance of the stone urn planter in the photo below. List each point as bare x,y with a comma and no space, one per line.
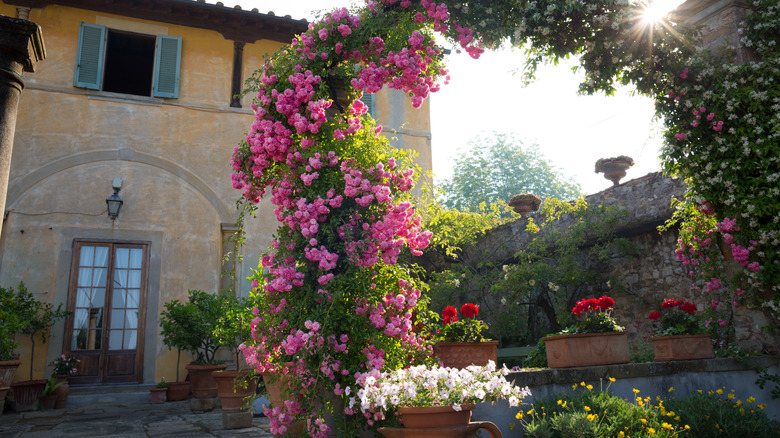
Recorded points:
682,347
582,350
525,203
462,354
27,393
614,169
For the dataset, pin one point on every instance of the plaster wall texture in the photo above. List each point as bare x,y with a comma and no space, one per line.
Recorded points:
173,156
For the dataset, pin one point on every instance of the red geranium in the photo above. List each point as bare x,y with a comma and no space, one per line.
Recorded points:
600,321
449,315
655,315
676,318
469,310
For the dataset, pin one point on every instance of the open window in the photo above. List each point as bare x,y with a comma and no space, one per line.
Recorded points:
127,62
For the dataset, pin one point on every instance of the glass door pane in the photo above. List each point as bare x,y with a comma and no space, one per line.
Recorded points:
90,298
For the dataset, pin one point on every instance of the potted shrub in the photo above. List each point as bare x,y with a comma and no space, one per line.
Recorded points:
678,332
159,393
63,367
192,323
594,339
232,330
49,395
9,358
434,397
461,341
34,319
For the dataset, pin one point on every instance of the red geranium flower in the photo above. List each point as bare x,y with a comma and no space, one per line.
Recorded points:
654,315
469,310
449,315
605,303
689,308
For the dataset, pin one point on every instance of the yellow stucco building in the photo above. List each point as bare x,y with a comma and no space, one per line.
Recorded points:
137,99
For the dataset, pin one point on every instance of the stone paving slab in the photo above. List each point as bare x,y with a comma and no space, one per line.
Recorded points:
123,416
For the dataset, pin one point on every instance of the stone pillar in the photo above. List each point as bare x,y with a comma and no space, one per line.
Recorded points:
21,46
719,20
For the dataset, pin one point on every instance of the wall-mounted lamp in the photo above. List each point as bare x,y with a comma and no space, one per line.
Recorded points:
114,202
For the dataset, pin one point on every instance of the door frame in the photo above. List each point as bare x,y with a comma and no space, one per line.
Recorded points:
104,353
62,282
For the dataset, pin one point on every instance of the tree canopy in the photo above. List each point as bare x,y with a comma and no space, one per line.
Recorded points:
500,165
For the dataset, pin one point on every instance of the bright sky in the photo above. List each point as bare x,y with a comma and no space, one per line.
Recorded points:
485,95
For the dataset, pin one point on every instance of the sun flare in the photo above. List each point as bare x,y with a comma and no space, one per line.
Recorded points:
657,9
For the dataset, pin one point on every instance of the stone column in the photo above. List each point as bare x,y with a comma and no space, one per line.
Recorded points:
21,46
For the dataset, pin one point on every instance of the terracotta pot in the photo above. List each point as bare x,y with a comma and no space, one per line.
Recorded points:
460,431
8,371
48,402
62,391
682,347
614,170
427,417
523,206
274,387
203,384
462,354
178,391
233,387
27,393
565,351
158,395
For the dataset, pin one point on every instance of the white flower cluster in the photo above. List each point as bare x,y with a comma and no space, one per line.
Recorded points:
434,386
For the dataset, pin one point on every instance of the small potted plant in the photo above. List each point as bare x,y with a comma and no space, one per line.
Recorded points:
595,338
159,394
614,169
63,368
190,326
525,203
49,395
461,342
434,397
679,333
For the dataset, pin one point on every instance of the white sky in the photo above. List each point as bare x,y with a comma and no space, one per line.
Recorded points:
484,96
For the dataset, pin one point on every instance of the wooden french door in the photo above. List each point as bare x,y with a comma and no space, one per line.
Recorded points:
107,295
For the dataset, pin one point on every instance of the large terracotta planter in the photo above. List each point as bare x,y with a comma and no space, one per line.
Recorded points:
274,387
233,387
462,354
178,391
682,347
435,416
27,393
8,371
566,351
62,391
203,384
158,395
48,402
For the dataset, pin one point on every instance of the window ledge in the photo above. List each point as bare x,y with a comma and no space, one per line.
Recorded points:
119,97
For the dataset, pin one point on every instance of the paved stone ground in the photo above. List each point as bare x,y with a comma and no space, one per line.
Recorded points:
127,415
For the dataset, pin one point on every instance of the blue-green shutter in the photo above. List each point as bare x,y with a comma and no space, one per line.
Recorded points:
89,56
167,60
369,100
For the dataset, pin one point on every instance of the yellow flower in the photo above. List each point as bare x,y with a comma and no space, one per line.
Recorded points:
621,434
677,418
529,411
699,391
611,379
719,391
511,426
671,388
761,406
731,396
751,399
560,401
666,426
687,427
739,402
643,420
574,386
636,391
651,431
582,383
587,408
519,416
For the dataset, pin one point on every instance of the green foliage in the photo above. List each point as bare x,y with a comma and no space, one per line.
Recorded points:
51,385
461,329
537,358
22,313
497,167
162,383
194,326
720,413
599,322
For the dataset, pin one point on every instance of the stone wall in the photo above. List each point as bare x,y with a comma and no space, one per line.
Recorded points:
643,280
